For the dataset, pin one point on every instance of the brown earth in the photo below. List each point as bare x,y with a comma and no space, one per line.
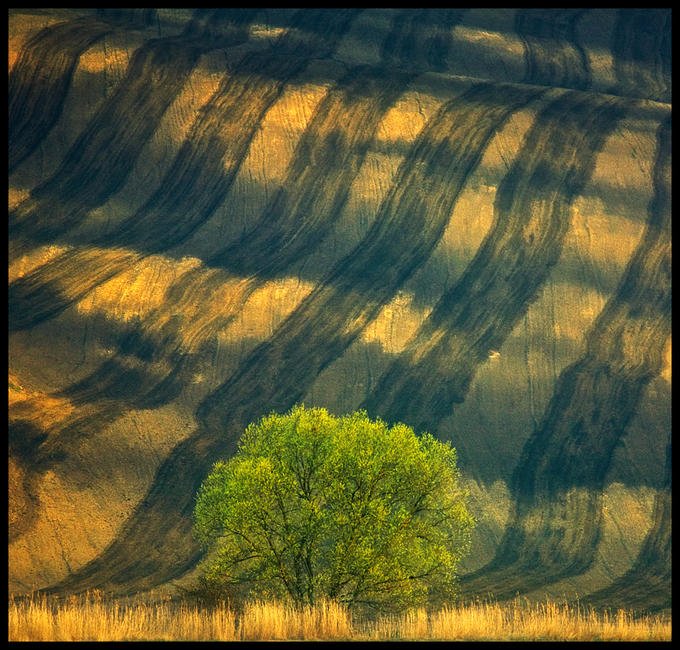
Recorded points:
455,218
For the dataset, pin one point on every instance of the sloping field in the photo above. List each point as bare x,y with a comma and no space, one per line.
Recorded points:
459,219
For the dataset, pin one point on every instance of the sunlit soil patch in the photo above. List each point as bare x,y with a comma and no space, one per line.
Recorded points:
396,323
34,405
93,618
667,371
23,26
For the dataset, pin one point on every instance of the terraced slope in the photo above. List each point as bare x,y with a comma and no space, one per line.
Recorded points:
455,218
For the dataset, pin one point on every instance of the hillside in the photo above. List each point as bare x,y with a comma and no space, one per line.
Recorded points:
459,219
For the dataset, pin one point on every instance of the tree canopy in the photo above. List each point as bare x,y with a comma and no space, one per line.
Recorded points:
314,506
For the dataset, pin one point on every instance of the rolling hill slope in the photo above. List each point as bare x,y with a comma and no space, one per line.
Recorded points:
459,219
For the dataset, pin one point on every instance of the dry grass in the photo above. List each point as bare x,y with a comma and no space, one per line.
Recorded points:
92,618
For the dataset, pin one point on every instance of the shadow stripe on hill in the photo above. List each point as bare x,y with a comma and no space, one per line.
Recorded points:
642,53
421,38
552,55
555,527
40,79
531,218
198,180
101,158
647,585
276,374
301,213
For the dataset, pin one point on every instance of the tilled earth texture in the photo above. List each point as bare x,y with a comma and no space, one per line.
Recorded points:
458,219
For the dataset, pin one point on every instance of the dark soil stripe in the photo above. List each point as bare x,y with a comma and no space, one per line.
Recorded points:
199,179
40,79
304,211
420,39
278,372
23,440
144,17
551,53
648,583
532,216
642,53
298,217
103,155
558,482
45,292
206,165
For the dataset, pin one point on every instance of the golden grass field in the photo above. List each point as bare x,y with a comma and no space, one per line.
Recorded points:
93,618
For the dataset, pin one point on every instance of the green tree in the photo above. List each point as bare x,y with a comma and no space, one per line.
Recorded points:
312,506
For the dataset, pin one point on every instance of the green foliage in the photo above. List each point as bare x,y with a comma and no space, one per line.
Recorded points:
313,506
